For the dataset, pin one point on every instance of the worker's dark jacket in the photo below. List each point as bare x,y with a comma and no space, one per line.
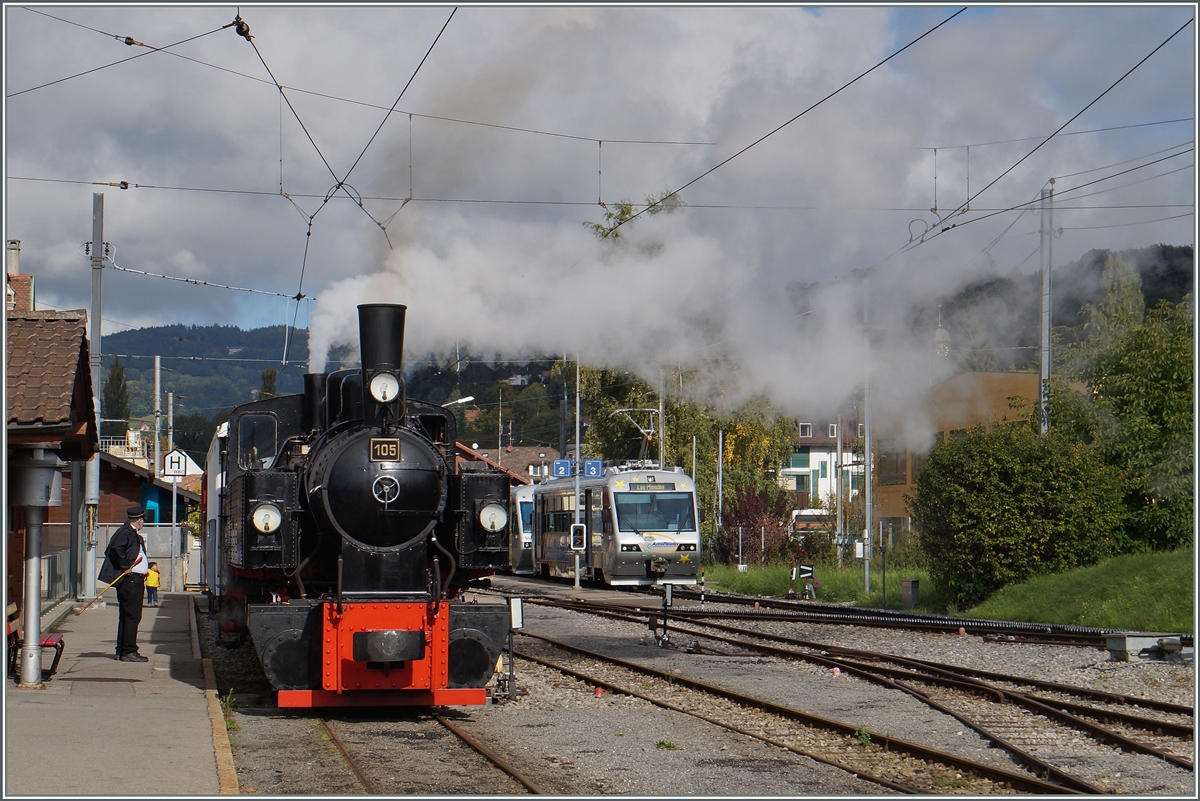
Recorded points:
123,550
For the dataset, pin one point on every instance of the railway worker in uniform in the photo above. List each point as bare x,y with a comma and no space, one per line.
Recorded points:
126,558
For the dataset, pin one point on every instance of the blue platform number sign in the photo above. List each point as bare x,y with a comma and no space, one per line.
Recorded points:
562,468
593,468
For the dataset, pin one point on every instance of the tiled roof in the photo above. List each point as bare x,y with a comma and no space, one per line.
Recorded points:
464,454
49,379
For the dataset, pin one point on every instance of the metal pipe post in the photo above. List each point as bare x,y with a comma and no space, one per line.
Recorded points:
31,648
92,475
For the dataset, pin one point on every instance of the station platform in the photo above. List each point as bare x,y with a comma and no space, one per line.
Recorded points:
104,727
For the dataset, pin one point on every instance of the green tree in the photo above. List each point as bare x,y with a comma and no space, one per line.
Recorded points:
268,384
1136,410
622,212
994,508
115,402
1143,394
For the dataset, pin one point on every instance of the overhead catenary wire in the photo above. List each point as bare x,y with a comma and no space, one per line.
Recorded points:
765,136
941,222
128,41
1105,129
1028,204
196,281
442,118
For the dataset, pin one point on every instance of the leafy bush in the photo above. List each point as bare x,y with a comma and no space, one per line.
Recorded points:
994,508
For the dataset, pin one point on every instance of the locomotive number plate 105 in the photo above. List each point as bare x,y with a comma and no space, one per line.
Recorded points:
385,449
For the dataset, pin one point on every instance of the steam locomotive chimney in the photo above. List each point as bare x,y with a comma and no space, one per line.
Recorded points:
381,336
314,401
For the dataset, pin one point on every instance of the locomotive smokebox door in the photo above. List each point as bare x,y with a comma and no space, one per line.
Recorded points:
484,528
478,634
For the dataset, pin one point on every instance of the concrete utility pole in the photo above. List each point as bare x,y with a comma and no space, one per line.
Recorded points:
1047,248
837,491
157,407
174,485
867,433
578,464
92,472
662,421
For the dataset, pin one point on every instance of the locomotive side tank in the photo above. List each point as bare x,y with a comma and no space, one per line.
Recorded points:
347,534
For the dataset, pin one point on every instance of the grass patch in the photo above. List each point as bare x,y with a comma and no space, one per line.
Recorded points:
1140,592
228,704
667,744
1143,592
833,585
864,736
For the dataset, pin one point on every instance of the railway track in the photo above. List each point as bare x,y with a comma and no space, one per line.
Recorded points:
1022,723
888,761
363,752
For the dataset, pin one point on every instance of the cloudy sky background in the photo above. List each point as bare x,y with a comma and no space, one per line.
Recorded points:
521,119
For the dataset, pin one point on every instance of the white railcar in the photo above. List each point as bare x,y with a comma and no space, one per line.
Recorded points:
641,526
521,542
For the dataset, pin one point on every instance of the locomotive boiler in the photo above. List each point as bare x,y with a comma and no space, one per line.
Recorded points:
346,532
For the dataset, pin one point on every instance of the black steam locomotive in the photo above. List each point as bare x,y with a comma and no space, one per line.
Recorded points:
345,531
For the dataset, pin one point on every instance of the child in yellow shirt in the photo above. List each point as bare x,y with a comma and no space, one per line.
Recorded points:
153,579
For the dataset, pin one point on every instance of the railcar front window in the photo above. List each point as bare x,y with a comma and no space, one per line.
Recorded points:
654,511
526,517
256,441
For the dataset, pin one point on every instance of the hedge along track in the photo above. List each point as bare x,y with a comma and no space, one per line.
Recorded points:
893,763
371,788
1020,728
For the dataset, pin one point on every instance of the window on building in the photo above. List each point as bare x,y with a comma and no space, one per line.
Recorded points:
803,484
799,457
892,461
918,464
824,469
890,528
833,429
806,429
957,433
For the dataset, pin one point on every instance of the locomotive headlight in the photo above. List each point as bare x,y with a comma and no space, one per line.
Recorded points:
385,387
266,518
493,517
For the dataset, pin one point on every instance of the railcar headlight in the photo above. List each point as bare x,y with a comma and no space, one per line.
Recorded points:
493,517
266,518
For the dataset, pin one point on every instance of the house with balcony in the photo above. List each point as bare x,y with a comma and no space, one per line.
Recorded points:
813,470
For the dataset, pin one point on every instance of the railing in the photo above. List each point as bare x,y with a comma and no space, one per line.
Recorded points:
120,447
56,559
56,579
